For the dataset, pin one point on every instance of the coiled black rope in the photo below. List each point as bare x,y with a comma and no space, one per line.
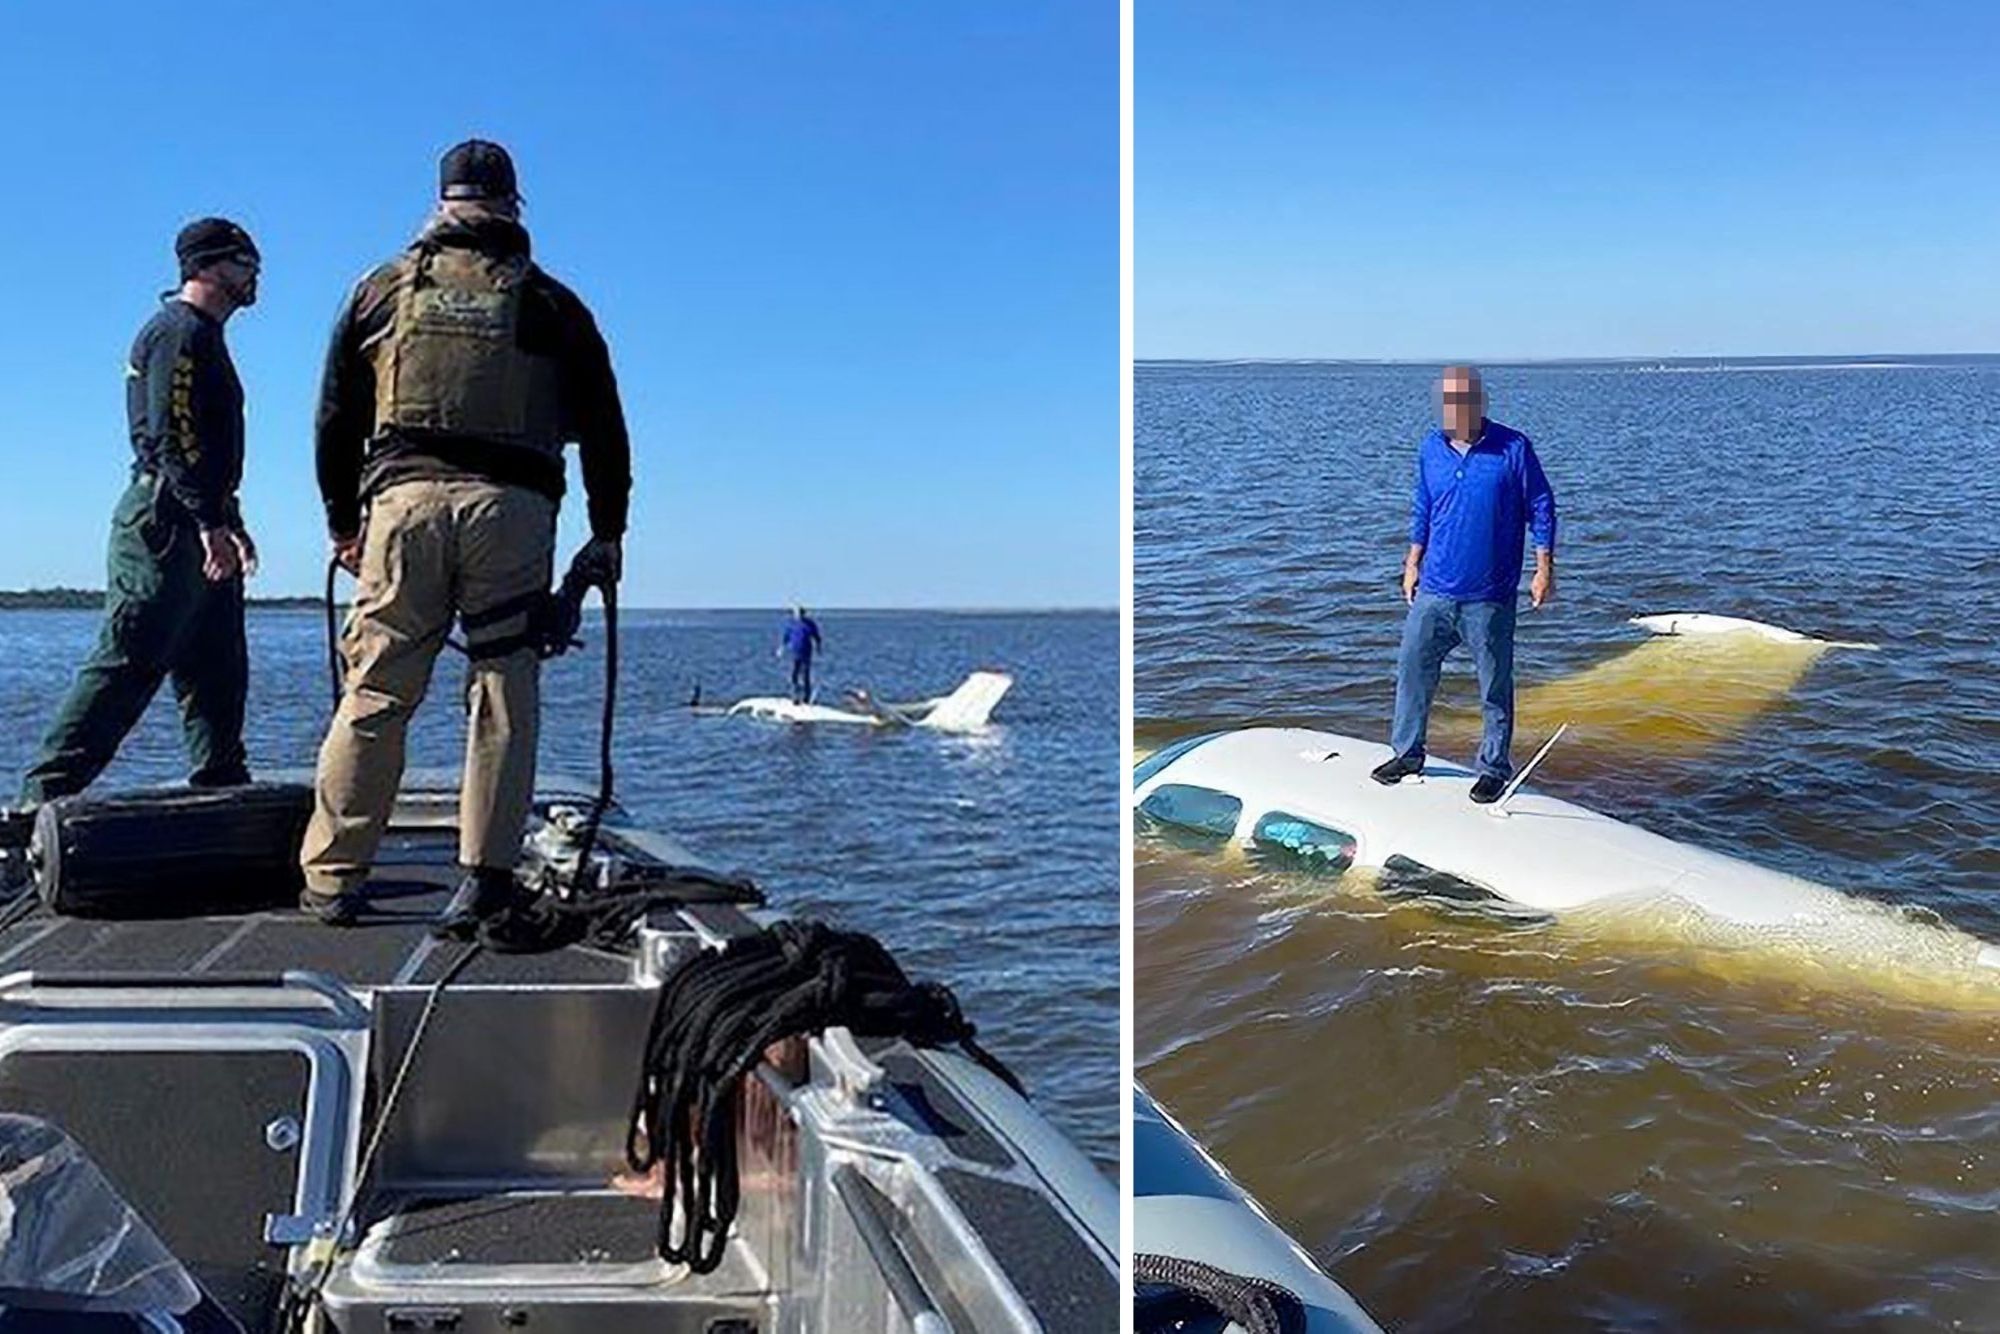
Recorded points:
604,918
713,1020
1187,1290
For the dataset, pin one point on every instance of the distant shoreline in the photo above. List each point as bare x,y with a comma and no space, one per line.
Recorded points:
90,599
84,599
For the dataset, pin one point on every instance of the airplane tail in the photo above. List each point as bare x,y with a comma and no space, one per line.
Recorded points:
967,708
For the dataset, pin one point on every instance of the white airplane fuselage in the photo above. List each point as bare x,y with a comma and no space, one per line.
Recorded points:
1279,786
965,709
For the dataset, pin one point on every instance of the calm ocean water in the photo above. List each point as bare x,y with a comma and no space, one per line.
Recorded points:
1620,1123
988,862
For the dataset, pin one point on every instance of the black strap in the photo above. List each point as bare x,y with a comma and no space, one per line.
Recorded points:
500,648
520,604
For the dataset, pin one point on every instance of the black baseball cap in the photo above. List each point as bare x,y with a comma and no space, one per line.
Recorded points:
207,241
477,169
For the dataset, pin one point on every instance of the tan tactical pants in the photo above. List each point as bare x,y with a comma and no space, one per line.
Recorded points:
435,550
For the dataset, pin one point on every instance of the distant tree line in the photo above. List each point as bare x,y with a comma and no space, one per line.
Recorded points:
91,599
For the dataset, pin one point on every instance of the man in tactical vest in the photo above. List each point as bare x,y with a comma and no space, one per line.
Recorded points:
173,599
456,374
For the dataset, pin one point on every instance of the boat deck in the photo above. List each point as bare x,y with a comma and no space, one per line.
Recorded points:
534,1226
390,946
499,1195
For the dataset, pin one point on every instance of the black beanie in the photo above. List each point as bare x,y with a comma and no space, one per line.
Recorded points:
477,169
207,241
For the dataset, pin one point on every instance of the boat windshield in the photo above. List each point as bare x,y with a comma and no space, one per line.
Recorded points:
1143,771
68,1242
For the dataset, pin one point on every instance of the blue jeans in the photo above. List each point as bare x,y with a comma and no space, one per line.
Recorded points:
1436,626
802,680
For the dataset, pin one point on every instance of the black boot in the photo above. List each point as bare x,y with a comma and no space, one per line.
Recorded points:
1487,789
340,909
1397,767
486,890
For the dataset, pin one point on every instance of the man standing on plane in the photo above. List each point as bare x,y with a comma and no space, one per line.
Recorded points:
800,641
173,603
1479,490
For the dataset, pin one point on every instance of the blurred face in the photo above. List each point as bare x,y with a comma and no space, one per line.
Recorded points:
237,276
1462,402
469,209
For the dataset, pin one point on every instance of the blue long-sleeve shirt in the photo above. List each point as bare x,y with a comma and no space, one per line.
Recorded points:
801,638
1469,513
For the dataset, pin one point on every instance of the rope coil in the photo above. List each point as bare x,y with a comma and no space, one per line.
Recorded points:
1187,1290
715,1018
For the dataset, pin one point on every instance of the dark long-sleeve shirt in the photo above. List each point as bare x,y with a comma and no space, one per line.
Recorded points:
1469,513
184,407
353,464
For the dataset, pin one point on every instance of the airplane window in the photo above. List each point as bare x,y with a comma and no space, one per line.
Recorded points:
1166,755
1405,878
1199,810
1303,845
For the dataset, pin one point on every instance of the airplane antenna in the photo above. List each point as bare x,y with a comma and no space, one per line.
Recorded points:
1500,807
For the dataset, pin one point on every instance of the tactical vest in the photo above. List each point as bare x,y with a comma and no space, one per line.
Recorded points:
451,359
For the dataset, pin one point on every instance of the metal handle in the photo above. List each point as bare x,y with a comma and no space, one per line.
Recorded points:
855,1075
58,981
904,1285
295,979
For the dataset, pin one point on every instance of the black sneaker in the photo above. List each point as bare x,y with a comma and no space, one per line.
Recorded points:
339,909
484,892
1488,788
1396,768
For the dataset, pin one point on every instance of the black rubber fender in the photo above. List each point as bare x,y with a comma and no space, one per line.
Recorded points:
171,852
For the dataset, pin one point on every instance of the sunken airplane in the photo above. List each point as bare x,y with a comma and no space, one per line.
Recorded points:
965,709
1305,798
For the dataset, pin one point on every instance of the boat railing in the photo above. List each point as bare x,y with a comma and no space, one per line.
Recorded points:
300,984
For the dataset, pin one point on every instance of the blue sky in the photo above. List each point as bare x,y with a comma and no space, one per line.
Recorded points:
1561,179
857,263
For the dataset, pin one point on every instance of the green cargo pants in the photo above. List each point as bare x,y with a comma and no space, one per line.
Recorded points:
162,618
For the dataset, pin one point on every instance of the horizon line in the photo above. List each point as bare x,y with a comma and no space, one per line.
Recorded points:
1554,360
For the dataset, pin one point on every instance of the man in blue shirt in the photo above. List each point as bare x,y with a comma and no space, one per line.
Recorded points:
1479,490
800,640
